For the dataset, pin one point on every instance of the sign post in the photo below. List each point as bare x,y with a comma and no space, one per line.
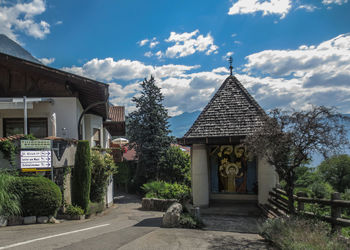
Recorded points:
36,155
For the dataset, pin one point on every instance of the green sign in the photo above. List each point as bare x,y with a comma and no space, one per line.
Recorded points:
35,144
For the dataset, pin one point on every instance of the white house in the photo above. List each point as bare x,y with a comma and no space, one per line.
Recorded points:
44,101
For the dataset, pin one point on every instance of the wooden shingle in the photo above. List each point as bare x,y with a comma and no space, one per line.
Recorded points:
232,112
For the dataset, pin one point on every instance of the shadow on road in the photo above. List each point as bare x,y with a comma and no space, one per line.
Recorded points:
124,198
151,222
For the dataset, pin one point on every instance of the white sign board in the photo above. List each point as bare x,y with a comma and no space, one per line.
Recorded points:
35,159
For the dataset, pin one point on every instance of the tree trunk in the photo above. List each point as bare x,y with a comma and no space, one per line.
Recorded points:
290,194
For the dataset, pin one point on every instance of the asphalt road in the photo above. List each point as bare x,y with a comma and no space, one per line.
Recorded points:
124,226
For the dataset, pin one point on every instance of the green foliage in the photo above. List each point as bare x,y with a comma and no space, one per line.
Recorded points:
125,175
164,190
306,176
189,221
74,210
95,208
321,190
336,170
9,200
299,233
175,166
346,196
39,195
9,150
148,131
102,167
81,179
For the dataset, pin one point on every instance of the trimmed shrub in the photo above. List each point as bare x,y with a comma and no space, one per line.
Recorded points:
9,201
164,190
95,208
74,210
39,196
81,179
102,167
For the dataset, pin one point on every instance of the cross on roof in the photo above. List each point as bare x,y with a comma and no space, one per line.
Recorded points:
230,61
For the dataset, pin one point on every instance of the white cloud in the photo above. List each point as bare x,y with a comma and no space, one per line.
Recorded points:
153,43
58,23
339,2
159,54
311,74
316,74
307,7
20,17
148,54
189,43
267,7
143,42
107,69
328,62
46,61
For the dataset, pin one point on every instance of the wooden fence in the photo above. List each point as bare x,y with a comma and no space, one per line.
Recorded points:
278,205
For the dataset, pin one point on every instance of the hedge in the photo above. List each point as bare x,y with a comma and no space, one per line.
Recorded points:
39,196
81,180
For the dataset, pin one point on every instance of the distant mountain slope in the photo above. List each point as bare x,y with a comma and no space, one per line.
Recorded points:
9,47
181,123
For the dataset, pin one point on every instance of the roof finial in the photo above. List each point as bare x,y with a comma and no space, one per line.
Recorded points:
230,61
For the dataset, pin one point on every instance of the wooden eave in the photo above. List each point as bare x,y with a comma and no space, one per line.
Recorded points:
87,90
217,140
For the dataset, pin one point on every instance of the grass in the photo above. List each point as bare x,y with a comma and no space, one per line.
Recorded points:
299,233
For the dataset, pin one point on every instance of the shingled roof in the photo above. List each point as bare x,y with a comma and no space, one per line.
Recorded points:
232,113
116,122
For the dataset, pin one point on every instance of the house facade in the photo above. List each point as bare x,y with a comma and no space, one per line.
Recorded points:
222,167
52,102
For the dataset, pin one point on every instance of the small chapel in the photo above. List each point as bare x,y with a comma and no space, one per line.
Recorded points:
222,168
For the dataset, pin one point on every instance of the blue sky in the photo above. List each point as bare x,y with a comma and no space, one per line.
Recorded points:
288,54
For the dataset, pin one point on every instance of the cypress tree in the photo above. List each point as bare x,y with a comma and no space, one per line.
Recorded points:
148,131
81,180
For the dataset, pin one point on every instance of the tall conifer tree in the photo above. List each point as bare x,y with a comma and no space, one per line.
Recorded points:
148,131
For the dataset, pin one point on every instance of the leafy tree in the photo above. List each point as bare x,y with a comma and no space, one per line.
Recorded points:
102,167
288,139
175,166
336,170
148,131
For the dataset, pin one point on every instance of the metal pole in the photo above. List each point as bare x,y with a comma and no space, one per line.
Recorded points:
25,115
51,142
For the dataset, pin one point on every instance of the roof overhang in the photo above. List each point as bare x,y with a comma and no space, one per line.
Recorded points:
115,128
88,91
218,140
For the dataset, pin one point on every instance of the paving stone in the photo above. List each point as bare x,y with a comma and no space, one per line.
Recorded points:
3,221
14,220
42,219
29,220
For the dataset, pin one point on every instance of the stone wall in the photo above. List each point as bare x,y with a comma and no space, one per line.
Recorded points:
154,204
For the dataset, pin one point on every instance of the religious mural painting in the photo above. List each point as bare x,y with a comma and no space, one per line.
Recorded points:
232,170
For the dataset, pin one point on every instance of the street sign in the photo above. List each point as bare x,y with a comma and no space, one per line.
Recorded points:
36,155
35,159
36,144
